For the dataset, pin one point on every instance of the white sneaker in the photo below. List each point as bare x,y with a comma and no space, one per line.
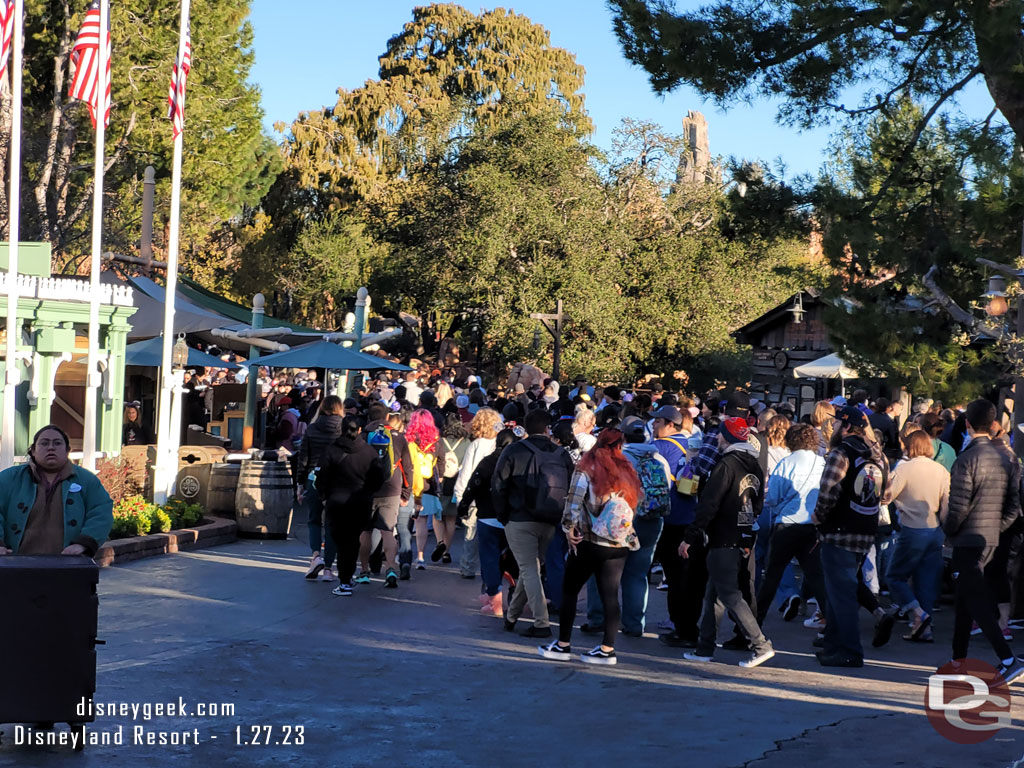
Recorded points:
694,656
316,564
328,575
817,621
757,659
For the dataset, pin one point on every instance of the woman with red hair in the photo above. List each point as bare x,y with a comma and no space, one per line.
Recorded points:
422,435
604,487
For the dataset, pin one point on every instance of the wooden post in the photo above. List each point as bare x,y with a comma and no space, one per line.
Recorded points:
559,319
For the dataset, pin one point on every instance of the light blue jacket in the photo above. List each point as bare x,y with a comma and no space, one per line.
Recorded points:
88,509
793,488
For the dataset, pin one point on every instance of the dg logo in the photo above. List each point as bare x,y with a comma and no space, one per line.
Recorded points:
967,701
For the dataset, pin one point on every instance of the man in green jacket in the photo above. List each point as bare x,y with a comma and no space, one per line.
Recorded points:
48,506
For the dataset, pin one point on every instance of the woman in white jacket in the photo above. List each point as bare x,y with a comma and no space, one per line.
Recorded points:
483,429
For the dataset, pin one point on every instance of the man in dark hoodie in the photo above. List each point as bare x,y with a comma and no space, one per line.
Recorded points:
984,501
728,507
348,477
849,499
319,437
528,489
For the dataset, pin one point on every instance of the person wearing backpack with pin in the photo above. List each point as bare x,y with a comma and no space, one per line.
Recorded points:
528,490
598,522
653,471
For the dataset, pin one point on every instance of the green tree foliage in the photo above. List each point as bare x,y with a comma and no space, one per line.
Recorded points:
953,199
461,188
228,162
812,53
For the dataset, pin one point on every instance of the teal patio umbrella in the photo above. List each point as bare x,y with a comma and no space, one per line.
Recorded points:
324,354
149,353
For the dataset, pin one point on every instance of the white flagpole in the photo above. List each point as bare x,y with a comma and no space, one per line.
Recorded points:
10,414
93,378
167,460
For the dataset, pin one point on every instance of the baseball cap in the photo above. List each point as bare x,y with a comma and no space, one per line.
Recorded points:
839,401
737,404
735,430
853,417
670,413
632,426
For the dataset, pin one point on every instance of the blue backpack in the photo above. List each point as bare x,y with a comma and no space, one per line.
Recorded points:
655,501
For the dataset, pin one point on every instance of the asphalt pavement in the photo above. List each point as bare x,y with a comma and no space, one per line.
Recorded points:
287,674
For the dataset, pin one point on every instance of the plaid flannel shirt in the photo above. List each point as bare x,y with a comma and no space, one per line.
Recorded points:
578,510
708,456
836,466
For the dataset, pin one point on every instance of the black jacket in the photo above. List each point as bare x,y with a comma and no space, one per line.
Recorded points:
984,495
348,476
512,495
320,435
478,489
731,501
890,436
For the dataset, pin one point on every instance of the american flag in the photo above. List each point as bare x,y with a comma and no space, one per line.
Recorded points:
85,80
6,33
176,95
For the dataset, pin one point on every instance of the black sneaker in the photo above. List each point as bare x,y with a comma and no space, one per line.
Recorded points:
736,643
675,640
535,631
1013,670
591,629
838,660
342,590
438,552
790,608
883,630
510,626
555,652
599,656
391,580
446,558
406,571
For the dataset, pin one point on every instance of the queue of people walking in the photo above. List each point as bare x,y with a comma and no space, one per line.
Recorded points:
738,505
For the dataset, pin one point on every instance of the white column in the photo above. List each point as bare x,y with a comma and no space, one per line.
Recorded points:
10,414
93,378
167,444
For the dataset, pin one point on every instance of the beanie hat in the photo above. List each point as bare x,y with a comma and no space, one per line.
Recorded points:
735,430
462,401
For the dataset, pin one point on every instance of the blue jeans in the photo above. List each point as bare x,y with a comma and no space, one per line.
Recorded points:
876,564
490,541
554,567
842,610
315,522
404,534
917,554
634,580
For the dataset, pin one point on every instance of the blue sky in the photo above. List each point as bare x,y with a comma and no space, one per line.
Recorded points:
306,49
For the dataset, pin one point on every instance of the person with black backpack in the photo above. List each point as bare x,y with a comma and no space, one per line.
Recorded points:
853,485
529,488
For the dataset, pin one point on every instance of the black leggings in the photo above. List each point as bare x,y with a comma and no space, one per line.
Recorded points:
606,563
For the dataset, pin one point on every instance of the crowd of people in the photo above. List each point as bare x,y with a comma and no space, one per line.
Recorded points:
739,505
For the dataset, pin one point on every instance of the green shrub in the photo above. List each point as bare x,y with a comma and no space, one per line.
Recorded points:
183,514
131,518
160,521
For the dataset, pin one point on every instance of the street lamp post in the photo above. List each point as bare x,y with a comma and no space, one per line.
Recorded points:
555,328
997,306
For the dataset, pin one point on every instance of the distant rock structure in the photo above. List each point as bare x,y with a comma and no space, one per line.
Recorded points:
696,161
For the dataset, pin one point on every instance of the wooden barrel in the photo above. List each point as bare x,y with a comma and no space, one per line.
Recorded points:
220,498
264,499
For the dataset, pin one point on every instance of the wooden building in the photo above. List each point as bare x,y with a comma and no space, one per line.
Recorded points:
787,336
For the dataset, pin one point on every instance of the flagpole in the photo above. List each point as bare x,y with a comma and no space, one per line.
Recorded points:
166,441
13,375
93,377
